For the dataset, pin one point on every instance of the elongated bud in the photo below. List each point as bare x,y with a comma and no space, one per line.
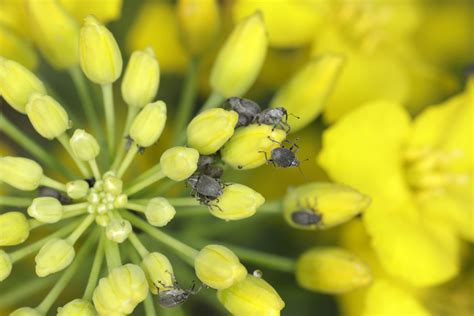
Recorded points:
179,163
247,148
77,307
84,145
26,311
147,127
121,291
159,212
17,48
46,209
241,58
332,204
251,296
14,228
331,270
142,78
199,23
17,84
236,202
21,173
159,272
47,116
211,129
218,267
99,53
77,189
5,265
118,230
55,33
56,255
307,92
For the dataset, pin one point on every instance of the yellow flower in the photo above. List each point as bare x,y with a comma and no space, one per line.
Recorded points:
104,11
56,255
179,163
15,228
148,125
47,116
5,265
158,271
16,48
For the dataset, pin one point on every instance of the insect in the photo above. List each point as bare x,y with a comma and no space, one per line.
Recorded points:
276,117
205,188
129,142
283,157
306,217
207,167
175,295
247,110
62,198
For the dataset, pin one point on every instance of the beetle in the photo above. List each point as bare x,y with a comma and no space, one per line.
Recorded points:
283,157
205,188
175,295
306,217
276,117
207,167
50,192
247,110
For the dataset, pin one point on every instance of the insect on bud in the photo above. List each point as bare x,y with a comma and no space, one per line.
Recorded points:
21,173
84,145
17,84
77,307
47,116
159,212
56,255
15,228
77,189
5,265
118,230
158,271
148,125
46,209
179,163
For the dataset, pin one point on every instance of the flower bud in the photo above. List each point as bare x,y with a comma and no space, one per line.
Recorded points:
83,145
99,53
113,185
121,201
159,212
16,47
46,209
26,311
55,33
56,255
142,78
158,271
118,230
251,296
121,291
104,11
77,307
247,148
148,125
77,189
199,23
218,267
15,228
179,163
333,203
17,84
306,93
236,202
211,129
47,116
21,173
5,265
331,270
241,58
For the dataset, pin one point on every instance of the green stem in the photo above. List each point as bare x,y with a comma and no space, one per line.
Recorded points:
145,183
29,145
48,182
15,201
132,151
95,169
95,270
112,254
137,244
186,252
81,229
33,223
213,100
185,201
24,290
64,140
192,211
149,306
131,113
135,206
75,207
270,261
186,102
271,207
156,168
108,98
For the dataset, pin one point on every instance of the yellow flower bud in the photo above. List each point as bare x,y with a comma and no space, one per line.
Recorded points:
218,267
179,163
236,202
84,146
104,11
77,307
147,127
211,129
241,58
121,201
307,92
46,209
26,311
159,212
5,265
251,296
21,173
77,189
121,291
56,255
199,23
142,78
17,84
16,47
331,270
334,203
118,230
158,271
113,185
47,116
99,53
15,228
247,148
55,33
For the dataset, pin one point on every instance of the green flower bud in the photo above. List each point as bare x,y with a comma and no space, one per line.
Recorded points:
26,311
47,116
147,127
77,189
77,307
15,228
158,271
21,173
118,230
46,209
5,265
218,267
179,163
121,201
113,185
84,146
56,255
159,212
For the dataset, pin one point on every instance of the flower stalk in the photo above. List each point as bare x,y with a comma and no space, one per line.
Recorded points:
95,270
108,99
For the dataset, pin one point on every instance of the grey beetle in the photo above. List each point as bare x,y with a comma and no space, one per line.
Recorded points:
247,110
205,188
306,217
50,192
175,295
207,167
283,157
276,117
